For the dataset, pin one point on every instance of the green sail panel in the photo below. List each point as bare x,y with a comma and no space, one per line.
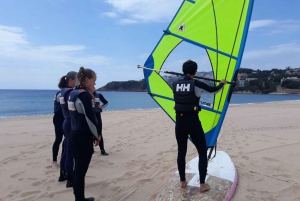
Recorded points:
218,26
213,23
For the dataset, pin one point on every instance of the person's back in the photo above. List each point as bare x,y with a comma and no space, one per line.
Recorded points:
67,83
58,120
84,131
187,93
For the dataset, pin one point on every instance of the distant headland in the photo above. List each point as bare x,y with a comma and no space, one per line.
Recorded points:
275,81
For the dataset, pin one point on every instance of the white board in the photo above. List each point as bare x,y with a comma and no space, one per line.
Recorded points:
221,176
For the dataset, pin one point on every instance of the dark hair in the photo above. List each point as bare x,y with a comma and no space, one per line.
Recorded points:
85,73
64,80
189,67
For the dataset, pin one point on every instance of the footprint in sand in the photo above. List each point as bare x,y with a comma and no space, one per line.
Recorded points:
246,157
32,163
141,156
16,175
11,194
38,183
115,188
270,159
29,193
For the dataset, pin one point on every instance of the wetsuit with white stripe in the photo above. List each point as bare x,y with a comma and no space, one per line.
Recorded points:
84,130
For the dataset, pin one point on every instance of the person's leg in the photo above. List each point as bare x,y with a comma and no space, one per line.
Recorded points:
198,139
83,153
99,129
69,164
181,137
58,138
62,176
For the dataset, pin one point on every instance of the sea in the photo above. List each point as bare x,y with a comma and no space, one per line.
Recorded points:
22,103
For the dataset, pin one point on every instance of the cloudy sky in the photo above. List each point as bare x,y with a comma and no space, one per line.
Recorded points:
41,40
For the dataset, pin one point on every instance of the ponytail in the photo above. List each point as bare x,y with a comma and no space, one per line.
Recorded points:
62,82
85,73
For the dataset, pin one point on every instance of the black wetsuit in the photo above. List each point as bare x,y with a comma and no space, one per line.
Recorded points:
99,98
67,159
58,120
84,129
188,123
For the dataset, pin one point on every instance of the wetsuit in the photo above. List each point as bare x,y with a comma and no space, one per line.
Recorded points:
58,120
84,129
99,98
67,162
187,93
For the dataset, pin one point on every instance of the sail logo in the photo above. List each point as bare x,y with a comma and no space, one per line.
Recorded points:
183,87
181,27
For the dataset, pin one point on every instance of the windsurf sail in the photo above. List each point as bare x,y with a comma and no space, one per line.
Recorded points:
218,26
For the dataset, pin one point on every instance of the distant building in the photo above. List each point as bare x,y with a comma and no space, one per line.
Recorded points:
289,78
242,76
295,71
241,83
249,79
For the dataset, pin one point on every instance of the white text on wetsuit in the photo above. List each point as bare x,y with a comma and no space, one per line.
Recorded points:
183,87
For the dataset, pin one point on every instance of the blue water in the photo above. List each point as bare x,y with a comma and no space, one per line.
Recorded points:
17,103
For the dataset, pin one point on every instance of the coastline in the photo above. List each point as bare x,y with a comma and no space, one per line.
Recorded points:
140,109
235,92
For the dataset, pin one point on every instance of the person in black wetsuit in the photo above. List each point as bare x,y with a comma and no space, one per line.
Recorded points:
84,128
66,164
58,120
187,93
98,109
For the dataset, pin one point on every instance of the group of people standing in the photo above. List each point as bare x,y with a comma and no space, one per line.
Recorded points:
77,117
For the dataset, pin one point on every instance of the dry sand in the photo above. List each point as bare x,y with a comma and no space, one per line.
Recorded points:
263,141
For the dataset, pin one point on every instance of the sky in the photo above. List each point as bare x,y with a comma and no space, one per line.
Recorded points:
42,40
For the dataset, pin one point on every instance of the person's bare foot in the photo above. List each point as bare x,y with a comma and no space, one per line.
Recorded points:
183,184
54,165
204,187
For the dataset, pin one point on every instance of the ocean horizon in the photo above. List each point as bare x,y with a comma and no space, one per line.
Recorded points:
29,102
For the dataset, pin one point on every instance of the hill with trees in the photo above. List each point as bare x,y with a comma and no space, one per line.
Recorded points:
248,81
131,85
268,81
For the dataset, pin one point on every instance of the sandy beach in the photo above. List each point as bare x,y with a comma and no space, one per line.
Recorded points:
262,139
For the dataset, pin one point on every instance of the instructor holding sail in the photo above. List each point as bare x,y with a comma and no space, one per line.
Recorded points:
187,93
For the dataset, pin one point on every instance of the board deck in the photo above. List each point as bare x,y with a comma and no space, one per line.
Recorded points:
221,176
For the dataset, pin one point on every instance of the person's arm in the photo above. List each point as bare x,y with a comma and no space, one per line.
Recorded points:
208,88
66,97
103,100
88,111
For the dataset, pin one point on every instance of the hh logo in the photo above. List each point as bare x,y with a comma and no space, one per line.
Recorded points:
183,87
